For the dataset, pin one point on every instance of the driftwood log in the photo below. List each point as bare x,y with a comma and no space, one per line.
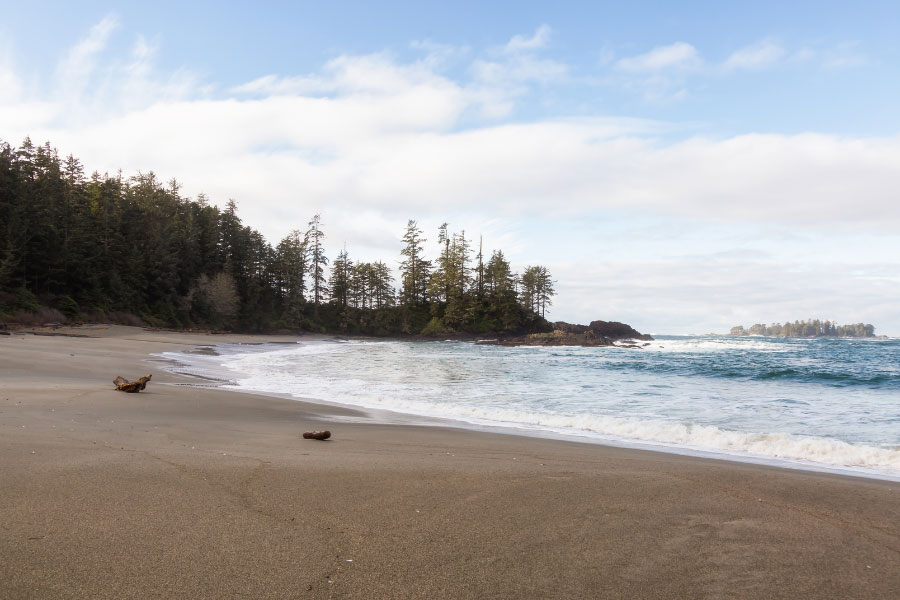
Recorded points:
123,385
317,435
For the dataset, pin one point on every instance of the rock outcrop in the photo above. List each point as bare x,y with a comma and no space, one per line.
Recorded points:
598,333
612,330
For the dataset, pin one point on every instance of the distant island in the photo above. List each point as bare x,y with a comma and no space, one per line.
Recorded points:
807,329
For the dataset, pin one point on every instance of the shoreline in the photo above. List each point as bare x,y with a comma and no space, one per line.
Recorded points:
183,490
187,364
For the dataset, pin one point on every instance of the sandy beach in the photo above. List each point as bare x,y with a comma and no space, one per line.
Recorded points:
182,491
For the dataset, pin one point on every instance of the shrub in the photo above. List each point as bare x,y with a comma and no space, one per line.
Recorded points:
125,318
434,327
49,315
26,300
23,317
152,320
39,317
95,316
69,307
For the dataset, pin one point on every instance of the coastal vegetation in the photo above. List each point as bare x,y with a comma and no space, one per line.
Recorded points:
598,333
134,250
809,328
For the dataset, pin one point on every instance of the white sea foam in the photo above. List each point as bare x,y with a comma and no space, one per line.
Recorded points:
572,391
698,437
714,344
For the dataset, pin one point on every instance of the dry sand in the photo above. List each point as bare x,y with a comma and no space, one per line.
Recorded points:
180,492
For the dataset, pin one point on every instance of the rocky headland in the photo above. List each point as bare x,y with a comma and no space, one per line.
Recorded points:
598,333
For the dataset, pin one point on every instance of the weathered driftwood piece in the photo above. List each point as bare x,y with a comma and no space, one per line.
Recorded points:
317,435
123,385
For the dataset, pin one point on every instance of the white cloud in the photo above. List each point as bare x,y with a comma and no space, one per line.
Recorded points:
713,293
659,75
519,70
438,56
370,141
679,55
10,84
803,55
388,134
510,72
755,56
375,74
519,43
844,56
76,68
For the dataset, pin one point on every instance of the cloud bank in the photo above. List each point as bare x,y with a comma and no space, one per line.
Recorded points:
374,139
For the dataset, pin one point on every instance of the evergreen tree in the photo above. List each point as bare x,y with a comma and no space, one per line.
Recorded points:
545,290
290,272
340,279
479,282
537,289
317,261
458,312
415,270
105,244
382,285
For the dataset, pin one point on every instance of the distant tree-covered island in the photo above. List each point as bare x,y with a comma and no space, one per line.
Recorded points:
809,328
133,250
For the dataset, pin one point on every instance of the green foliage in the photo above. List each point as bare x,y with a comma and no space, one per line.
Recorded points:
68,306
317,260
810,328
107,245
289,269
434,327
415,271
537,289
26,300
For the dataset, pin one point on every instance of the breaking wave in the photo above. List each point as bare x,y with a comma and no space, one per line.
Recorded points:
812,402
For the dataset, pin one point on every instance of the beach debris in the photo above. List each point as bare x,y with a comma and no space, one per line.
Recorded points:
131,387
316,435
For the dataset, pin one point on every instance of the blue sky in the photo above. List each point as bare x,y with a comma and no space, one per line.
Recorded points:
680,166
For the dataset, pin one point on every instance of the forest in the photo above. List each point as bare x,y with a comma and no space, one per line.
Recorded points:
809,328
106,248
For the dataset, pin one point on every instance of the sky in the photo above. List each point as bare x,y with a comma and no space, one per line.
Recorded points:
682,167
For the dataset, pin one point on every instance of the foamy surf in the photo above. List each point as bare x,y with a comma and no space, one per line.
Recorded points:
749,398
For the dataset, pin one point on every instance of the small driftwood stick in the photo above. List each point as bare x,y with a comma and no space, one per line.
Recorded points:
131,387
317,435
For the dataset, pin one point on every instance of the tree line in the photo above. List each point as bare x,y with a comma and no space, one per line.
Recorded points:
809,328
101,247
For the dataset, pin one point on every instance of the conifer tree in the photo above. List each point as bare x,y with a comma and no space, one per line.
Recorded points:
537,289
479,282
340,281
317,261
382,288
415,270
545,291
290,272
110,243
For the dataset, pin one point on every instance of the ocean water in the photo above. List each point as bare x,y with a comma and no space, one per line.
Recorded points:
801,402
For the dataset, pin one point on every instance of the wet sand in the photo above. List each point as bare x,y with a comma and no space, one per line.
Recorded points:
185,492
